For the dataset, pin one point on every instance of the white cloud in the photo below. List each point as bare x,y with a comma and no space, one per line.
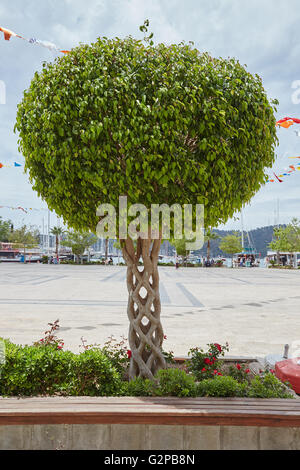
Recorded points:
262,34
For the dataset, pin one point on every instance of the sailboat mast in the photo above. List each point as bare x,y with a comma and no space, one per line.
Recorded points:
242,229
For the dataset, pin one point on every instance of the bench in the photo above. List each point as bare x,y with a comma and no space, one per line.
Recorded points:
154,423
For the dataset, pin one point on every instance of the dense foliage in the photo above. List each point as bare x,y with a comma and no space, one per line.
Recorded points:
231,244
46,369
160,124
5,228
287,238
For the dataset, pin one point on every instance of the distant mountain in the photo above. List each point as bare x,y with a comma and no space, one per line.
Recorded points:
258,239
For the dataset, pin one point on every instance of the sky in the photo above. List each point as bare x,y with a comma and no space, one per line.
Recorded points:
262,34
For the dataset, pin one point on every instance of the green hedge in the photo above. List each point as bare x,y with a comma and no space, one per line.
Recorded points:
177,383
47,370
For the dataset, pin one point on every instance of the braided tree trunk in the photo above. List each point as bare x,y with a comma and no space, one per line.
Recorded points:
145,330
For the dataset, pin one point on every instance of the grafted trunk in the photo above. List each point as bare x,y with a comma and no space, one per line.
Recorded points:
145,329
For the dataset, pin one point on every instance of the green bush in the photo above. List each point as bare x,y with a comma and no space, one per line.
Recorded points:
175,382
92,374
204,365
139,387
221,386
47,370
267,386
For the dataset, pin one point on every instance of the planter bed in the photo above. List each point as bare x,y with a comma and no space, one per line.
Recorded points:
149,423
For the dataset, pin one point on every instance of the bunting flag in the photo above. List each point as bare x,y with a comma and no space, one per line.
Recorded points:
8,34
285,124
287,119
15,165
49,45
280,181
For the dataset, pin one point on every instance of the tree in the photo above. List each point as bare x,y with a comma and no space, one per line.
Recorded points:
79,242
24,237
5,228
231,244
57,232
210,235
286,238
157,124
180,247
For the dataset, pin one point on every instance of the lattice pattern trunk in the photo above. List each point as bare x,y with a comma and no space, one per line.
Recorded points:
145,330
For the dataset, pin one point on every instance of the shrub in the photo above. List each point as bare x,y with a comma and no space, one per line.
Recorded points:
221,386
31,370
46,370
175,382
116,352
139,387
205,364
267,386
92,374
239,372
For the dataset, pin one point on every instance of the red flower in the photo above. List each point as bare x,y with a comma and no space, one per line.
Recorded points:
219,348
129,353
215,372
207,361
165,336
247,371
272,371
238,366
59,347
203,370
219,373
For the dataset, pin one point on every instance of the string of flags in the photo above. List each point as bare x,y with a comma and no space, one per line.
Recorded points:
286,123
24,209
49,45
15,165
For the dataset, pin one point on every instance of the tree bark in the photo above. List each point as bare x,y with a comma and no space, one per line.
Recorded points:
208,249
145,330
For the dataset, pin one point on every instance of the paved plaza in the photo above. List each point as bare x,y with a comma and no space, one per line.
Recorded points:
256,310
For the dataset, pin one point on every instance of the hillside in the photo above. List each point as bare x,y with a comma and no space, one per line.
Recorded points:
258,238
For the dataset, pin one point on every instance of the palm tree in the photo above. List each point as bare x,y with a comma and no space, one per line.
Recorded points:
57,232
210,235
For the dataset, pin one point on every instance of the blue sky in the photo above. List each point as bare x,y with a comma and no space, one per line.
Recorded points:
262,34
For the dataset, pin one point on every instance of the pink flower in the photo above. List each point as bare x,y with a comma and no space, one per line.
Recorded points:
215,372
